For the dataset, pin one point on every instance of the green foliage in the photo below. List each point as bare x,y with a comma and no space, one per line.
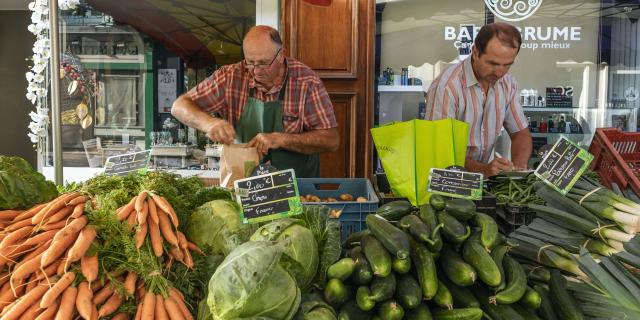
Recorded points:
21,186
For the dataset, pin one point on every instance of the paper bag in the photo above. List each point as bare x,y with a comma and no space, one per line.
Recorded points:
236,162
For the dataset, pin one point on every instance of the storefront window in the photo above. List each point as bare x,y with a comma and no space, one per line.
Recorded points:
576,70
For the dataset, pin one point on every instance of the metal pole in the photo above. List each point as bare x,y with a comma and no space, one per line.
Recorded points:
54,64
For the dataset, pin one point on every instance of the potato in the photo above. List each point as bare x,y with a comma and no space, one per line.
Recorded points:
332,199
315,199
335,213
303,199
362,199
346,197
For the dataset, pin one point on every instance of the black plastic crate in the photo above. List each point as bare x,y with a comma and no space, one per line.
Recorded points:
487,204
510,218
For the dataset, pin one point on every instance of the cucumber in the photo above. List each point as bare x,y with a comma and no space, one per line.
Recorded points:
383,288
354,238
391,310
564,304
531,299
546,306
516,283
438,202
453,230
474,254
392,238
495,312
456,269
497,254
350,311
443,297
428,215
341,269
408,292
537,273
461,209
458,314
362,273
364,299
335,293
416,228
377,256
489,227
394,210
425,268
421,312
525,312
401,265
462,296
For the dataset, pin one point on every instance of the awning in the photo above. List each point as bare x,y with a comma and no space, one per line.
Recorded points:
201,32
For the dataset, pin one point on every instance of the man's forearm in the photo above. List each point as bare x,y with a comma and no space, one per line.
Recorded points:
190,114
521,147
475,166
311,142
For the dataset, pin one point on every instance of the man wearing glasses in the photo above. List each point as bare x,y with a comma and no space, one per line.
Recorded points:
271,102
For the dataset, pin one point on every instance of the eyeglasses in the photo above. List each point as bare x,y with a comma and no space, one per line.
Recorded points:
261,65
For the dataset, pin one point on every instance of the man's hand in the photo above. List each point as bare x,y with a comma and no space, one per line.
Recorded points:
264,142
220,131
496,166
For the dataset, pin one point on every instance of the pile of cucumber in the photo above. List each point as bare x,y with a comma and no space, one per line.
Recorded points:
440,261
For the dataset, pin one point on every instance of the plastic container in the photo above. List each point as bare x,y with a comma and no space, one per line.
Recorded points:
487,204
354,213
617,158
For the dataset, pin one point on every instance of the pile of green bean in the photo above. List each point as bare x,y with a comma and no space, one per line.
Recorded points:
515,191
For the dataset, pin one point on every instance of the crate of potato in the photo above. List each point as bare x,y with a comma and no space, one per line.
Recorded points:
350,200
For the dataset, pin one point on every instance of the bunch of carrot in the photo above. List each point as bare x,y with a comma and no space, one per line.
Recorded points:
39,245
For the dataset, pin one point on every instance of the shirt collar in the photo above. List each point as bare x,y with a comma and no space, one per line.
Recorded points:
469,76
274,89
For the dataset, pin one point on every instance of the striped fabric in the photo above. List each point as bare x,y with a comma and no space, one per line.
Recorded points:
456,93
306,102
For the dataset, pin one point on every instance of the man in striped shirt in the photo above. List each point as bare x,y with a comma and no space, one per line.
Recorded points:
479,91
271,102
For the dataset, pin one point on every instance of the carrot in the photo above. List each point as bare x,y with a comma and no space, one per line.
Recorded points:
30,298
89,267
17,225
67,304
193,247
26,269
60,215
141,234
188,259
142,196
124,211
179,299
78,200
83,300
11,254
101,296
177,253
165,228
156,237
58,248
173,309
30,212
121,316
53,206
130,282
49,312
38,250
142,214
95,286
4,278
160,311
161,203
31,313
153,210
61,267
8,296
41,237
140,292
109,307
148,306
94,312
78,210
138,315
48,271
53,226
82,244
15,236
32,282
73,227
9,214
182,240
56,290
131,220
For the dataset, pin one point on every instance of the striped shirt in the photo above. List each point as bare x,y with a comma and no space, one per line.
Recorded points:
306,102
456,93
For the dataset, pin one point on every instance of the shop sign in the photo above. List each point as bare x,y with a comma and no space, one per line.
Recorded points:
513,10
268,197
125,163
456,184
167,89
563,165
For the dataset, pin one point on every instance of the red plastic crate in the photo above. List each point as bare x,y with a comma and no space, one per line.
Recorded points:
617,158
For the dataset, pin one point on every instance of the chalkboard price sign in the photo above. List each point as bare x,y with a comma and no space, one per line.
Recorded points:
268,197
456,184
563,165
125,163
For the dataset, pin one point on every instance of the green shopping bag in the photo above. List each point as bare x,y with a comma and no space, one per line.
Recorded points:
408,150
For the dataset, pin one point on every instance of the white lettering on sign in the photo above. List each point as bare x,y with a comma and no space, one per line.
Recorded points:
532,37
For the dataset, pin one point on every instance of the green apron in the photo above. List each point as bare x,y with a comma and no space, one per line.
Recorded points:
265,117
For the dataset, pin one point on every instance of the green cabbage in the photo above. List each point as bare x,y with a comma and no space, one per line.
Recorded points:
251,284
301,249
21,186
216,228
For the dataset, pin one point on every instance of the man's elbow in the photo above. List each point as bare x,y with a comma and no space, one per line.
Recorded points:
177,106
333,142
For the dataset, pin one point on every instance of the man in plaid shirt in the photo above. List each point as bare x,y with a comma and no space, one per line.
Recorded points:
271,102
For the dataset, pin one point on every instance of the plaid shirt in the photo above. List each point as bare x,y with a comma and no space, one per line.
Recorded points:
306,102
456,93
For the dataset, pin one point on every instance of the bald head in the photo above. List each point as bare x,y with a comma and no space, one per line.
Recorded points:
262,36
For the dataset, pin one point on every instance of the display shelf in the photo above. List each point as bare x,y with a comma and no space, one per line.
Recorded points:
545,109
546,134
400,89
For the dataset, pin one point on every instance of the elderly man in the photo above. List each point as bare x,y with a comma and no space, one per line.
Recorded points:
271,102
480,92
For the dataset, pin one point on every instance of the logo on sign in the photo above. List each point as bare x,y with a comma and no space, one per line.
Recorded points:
510,10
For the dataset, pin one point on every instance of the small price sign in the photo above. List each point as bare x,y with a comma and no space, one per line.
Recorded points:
125,163
563,165
455,184
269,196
